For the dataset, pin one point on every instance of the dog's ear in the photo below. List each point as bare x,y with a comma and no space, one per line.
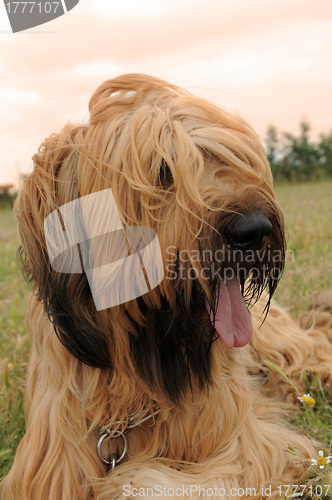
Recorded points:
66,297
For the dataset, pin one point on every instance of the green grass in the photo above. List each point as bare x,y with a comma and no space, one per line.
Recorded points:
14,346
308,216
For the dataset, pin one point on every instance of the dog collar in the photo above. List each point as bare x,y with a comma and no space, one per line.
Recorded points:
113,432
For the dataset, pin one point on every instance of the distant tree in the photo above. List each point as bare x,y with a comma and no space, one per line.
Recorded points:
272,145
303,154
325,153
297,158
7,199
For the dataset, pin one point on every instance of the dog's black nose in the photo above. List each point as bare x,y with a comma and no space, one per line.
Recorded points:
248,231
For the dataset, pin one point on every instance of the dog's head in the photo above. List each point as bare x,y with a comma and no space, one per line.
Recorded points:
195,174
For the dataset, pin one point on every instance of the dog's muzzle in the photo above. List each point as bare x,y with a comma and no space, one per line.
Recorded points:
248,231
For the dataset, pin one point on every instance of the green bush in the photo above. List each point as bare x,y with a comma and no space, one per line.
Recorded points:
297,158
7,199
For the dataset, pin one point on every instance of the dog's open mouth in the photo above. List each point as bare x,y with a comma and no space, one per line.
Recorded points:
231,319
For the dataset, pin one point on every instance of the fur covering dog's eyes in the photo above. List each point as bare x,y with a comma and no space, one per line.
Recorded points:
165,174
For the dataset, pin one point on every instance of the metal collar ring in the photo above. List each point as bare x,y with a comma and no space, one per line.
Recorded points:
115,434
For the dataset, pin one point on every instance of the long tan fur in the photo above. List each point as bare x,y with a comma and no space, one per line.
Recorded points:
227,434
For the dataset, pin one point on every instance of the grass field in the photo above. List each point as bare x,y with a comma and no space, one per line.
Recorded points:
308,215
14,347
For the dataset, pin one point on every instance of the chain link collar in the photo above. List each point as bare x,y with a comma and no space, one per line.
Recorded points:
107,432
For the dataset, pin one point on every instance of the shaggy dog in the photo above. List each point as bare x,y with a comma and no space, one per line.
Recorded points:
161,395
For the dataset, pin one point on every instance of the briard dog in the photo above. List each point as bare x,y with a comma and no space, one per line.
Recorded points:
149,234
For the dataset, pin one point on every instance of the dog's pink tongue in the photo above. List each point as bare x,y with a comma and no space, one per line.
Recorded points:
232,319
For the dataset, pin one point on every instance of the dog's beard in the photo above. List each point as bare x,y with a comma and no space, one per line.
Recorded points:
172,349
253,271
241,284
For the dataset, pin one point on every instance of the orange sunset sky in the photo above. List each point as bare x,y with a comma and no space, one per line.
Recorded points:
270,61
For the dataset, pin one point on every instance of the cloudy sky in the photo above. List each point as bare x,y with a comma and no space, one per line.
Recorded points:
269,60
